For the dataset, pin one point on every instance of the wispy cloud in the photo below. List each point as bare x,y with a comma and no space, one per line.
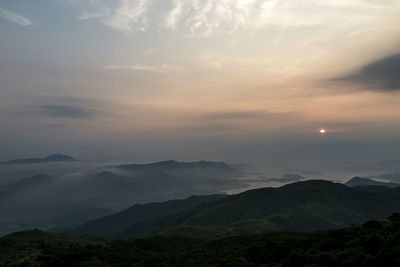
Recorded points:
126,16
129,16
174,16
14,18
245,115
235,115
163,68
88,16
205,17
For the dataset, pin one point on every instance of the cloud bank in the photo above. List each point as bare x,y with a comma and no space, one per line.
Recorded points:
381,75
66,111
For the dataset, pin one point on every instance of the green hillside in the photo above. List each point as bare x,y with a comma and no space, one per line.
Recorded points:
112,225
303,206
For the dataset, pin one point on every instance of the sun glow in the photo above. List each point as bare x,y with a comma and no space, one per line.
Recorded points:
322,131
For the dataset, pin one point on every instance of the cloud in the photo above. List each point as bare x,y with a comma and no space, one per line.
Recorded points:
66,111
392,177
126,16
88,16
288,178
163,68
14,18
174,15
382,75
208,17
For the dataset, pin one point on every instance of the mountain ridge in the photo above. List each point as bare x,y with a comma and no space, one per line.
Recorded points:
302,206
27,183
47,159
139,213
361,181
170,165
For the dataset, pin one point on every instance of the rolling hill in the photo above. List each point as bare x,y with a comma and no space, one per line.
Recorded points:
112,225
303,206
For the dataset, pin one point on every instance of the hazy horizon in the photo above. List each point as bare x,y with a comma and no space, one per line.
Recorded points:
240,81
199,132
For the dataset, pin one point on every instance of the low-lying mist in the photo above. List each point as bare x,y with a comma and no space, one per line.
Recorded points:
68,194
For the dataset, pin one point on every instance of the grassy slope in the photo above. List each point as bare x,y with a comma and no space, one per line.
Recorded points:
304,206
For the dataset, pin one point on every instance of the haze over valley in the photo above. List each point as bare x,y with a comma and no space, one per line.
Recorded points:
200,133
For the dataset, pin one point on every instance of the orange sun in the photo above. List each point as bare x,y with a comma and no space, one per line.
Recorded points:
322,131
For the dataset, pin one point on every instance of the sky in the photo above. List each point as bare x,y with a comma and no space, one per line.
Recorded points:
231,80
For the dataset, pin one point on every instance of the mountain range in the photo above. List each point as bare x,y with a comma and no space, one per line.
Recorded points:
69,199
272,226
261,227
302,206
110,191
172,164
48,159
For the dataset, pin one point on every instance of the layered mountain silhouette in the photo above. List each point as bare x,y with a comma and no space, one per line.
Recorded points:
27,183
73,198
302,206
48,159
360,181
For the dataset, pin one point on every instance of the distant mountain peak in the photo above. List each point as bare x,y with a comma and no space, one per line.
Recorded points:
362,181
48,159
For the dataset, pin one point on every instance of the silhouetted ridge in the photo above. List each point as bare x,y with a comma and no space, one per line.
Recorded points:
48,159
360,181
303,206
172,164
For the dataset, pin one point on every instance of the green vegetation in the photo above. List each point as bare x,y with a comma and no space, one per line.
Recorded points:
370,244
303,206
